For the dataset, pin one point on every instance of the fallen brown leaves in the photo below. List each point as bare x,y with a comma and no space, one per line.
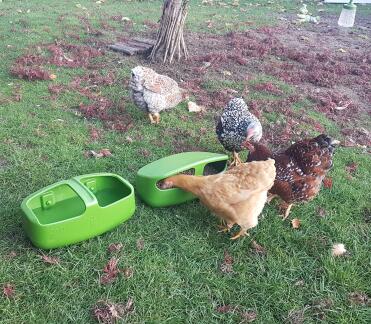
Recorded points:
128,272
140,244
351,168
295,223
115,247
8,290
359,298
49,259
31,66
227,264
108,313
321,212
268,87
258,248
11,255
95,134
246,316
101,154
111,272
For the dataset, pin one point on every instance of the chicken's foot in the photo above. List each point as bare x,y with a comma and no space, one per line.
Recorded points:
235,160
224,227
242,232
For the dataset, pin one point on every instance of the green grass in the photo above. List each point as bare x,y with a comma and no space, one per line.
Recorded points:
176,276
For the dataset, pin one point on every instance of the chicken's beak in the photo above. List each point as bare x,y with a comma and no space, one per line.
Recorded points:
248,146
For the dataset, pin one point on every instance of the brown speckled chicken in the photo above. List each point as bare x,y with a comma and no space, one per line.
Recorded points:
300,169
237,196
153,92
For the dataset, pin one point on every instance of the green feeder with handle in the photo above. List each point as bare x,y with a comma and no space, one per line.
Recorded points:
197,163
77,209
347,15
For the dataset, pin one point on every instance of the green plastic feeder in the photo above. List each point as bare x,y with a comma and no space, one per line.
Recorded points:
201,163
77,209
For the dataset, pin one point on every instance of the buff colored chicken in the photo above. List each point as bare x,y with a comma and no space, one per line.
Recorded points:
237,196
153,92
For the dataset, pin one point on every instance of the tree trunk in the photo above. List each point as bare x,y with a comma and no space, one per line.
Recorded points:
170,39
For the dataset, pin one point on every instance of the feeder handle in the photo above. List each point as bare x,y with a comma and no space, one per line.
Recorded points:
88,198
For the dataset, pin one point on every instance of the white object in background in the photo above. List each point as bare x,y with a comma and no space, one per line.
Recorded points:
348,15
344,1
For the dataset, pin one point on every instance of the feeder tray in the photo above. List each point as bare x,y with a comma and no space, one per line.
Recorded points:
197,163
77,209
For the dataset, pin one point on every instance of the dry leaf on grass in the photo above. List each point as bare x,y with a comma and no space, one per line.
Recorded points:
327,183
258,248
295,223
109,313
115,247
338,249
8,290
359,298
227,264
129,139
296,316
223,309
351,168
193,107
49,259
11,254
128,272
140,244
95,134
110,272
299,283
321,212
248,316
100,154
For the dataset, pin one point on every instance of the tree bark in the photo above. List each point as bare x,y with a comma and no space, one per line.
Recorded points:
170,38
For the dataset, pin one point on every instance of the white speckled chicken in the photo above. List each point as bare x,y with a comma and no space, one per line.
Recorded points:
153,92
237,126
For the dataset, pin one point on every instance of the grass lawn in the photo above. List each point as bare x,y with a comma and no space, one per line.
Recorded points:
175,254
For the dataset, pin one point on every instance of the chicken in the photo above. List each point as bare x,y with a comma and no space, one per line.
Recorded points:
300,169
237,125
153,92
237,196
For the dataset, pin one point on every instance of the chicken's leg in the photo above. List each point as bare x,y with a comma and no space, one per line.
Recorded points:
287,211
224,227
157,118
235,160
271,197
153,121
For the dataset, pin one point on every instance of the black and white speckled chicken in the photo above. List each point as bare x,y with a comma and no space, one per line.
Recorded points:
301,168
236,127
153,92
